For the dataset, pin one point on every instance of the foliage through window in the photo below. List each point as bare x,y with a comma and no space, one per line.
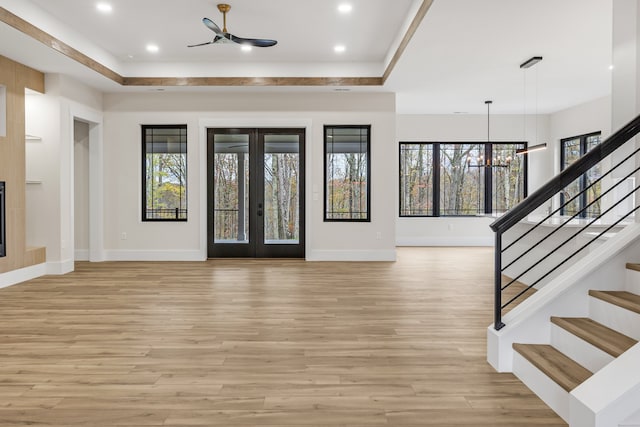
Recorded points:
164,176
442,179
571,150
347,173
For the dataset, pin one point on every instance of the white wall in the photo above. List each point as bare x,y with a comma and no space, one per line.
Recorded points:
42,119
50,201
465,231
125,113
593,116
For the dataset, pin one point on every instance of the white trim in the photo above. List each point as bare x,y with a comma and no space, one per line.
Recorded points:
252,121
81,255
151,255
96,187
352,255
60,267
444,241
22,275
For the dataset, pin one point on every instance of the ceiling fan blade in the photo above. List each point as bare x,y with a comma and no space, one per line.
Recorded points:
201,44
212,26
253,42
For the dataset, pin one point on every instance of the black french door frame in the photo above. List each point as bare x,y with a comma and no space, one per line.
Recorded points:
256,246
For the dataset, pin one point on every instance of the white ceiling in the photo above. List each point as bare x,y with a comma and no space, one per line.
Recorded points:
464,52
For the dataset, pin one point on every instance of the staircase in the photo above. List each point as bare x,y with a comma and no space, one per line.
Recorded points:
581,346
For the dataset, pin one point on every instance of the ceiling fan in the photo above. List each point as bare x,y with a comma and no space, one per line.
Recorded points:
223,36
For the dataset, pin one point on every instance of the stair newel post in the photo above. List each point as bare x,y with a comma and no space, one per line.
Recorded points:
497,273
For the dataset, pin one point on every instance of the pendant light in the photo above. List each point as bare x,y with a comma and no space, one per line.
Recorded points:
524,66
489,163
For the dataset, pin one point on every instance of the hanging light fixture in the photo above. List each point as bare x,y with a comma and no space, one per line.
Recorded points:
524,66
490,163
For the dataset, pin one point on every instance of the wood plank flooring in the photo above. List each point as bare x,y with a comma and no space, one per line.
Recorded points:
260,342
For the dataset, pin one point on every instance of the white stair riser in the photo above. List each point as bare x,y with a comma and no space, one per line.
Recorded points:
578,349
543,386
617,318
633,281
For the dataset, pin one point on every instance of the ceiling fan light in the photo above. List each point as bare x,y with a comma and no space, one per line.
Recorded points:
246,48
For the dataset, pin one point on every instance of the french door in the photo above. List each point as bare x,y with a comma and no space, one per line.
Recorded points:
255,180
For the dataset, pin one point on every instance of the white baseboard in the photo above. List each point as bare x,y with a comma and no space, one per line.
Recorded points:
81,255
22,275
381,255
444,241
140,255
60,267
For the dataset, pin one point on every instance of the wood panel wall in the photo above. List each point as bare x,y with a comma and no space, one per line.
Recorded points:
16,77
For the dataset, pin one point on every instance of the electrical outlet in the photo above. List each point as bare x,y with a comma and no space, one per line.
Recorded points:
123,236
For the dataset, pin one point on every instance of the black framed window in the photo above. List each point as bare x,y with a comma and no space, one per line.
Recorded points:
460,179
164,172
347,170
571,149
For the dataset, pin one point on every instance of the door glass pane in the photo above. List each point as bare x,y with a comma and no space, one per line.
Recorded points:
231,189
281,190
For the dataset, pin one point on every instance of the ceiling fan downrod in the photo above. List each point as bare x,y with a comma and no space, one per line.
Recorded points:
224,8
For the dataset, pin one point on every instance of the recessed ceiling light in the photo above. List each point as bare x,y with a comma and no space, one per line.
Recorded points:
339,48
611,67
245,48
104,7
345,8
152,48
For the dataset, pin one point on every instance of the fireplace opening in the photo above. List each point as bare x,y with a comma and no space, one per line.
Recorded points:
3,236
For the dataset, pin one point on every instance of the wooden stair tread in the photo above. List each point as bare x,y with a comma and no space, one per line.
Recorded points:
606,339
633,266
564,371
622,299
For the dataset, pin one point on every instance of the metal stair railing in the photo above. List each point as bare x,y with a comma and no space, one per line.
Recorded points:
532,263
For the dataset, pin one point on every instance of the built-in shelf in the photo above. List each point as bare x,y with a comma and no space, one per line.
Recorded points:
34,181
32,138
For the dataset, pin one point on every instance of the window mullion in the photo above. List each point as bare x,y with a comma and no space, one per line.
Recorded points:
436,179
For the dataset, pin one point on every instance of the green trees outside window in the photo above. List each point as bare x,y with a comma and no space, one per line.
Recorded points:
164,172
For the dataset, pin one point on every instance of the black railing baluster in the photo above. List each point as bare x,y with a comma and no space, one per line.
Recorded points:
497,271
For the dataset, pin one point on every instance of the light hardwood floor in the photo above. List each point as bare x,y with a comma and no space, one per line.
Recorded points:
260,342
